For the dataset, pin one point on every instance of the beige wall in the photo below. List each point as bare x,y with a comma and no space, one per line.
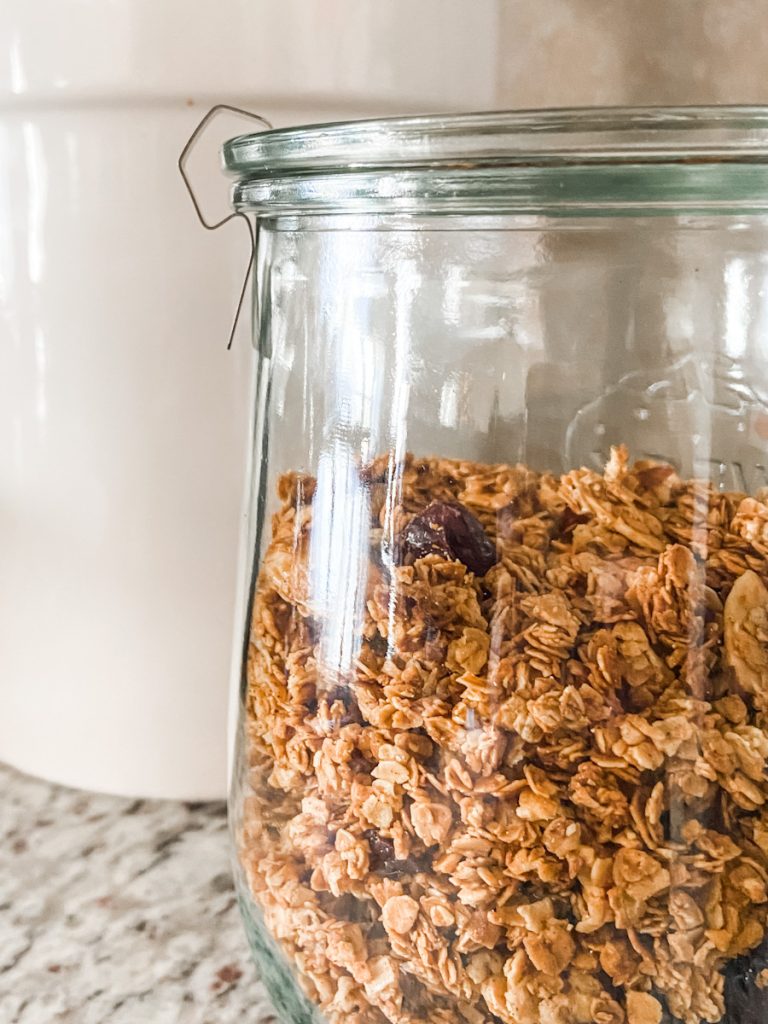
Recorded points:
573,52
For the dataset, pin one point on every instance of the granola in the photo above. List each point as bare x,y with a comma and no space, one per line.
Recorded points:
536,792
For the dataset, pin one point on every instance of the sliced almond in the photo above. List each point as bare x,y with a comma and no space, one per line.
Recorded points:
745,626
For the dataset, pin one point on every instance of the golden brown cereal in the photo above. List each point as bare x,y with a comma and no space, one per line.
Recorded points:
538,795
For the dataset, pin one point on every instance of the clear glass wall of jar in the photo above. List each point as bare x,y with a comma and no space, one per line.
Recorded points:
504,724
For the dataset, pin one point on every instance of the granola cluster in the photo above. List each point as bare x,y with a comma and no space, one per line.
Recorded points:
536,791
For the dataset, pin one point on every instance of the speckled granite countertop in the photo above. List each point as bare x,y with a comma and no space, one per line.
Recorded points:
118,912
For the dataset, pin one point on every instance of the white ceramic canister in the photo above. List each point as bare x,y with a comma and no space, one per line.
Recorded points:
123,420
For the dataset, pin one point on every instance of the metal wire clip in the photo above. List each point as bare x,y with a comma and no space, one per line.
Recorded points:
253,232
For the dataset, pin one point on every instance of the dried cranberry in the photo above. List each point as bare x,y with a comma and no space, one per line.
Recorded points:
399,868
381,849
359,763
379,645
745,1001
450,530
382,857
570,520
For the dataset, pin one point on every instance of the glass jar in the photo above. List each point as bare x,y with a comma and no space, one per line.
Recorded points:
504,716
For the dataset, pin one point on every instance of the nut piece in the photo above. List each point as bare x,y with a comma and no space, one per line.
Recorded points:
399,914
639,875
469,653
746,635
642,1008
431,822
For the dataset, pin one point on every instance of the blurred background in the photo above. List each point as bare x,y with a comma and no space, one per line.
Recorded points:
123,420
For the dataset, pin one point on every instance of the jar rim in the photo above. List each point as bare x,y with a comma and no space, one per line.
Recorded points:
552,135
706,154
